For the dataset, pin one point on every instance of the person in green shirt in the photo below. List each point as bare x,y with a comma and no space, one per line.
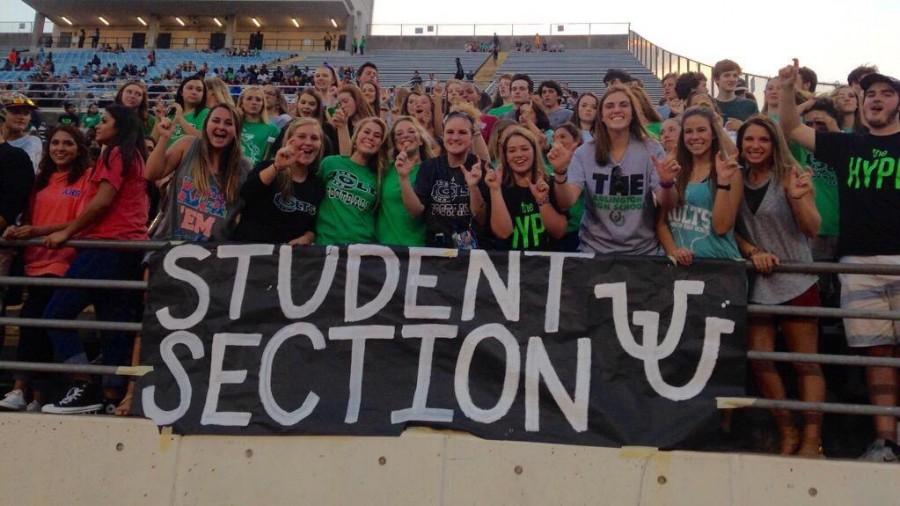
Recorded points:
409,146
189,111
347,213
257,134
91,118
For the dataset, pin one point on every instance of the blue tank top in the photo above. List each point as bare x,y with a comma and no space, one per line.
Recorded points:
691,225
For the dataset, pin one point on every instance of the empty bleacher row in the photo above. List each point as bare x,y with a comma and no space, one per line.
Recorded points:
581,70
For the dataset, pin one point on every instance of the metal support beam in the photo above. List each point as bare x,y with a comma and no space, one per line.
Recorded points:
109,370
823,407
72,324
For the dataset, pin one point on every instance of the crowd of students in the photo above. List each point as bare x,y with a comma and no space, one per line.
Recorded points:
694,177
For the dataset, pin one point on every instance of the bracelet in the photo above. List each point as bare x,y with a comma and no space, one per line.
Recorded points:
565,177
543,201
724,187
666,184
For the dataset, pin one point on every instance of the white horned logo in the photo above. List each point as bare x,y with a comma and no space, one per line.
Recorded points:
651,351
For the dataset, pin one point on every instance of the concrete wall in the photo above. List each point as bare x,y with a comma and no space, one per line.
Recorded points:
506,43
14,40
91,460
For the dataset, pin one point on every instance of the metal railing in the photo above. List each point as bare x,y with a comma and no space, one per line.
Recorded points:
662,62
723,402
502,30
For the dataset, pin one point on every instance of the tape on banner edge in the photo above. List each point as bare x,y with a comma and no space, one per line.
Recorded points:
734,402
137,370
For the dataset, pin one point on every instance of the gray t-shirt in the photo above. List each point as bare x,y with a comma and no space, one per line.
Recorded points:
619,212
559,116
31,145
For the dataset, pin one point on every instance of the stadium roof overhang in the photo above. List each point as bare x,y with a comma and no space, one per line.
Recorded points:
195,13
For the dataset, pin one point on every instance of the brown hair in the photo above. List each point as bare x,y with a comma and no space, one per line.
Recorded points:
143,109
229,164
537,162
782,161
603,144
686,158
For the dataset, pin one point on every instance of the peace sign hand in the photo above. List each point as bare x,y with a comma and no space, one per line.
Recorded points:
559,157
404,165
473,175
800,183
540,191
726,167
667,168
285,158
494,178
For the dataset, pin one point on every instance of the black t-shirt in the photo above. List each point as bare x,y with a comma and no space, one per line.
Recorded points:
529,232
16,180
443,191
269,216
868,168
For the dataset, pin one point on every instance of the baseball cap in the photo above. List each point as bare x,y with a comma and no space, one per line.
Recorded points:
871,79
741,85
17,100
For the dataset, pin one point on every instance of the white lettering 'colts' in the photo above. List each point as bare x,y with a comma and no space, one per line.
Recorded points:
651,351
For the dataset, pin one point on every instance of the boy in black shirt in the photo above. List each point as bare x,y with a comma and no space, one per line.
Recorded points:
868,169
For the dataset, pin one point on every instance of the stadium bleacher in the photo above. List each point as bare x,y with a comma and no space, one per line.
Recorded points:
581,69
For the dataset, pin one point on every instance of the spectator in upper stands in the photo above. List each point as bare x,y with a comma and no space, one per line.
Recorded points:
347,213
725,74
777,218
217,92
276,106
81,38
257,134
615,77
19,109
189,111
70,116
551,95
115,207
585,115
624,175
326,40
282,195
855,77
690,82
847,104
362,44
869,228
95,38
91,118
55,200
460,73
133,94
669,95
325,81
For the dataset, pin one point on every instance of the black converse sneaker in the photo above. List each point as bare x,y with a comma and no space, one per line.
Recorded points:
81,397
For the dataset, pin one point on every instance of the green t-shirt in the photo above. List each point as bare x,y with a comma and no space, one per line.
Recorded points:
90,120
394,226
196,118
575,212
256,138
347,213
654,129
503,109
149,125
827,201
739,108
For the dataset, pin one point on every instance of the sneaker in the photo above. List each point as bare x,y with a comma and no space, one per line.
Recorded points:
79,398
33,407
13,401
880,451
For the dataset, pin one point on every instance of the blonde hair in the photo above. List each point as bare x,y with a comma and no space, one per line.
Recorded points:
378,161
285,183
264,114
217,88
426,142
229,171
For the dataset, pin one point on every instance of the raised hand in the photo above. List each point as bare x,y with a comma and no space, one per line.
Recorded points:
285,158
676,105
404,165
788,75
733,124
494,178
437,91
726,167
473,175
667,168
540,191
339,119
165,128
559,157
800,183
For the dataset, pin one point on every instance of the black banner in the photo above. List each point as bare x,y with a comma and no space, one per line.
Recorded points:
364,340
